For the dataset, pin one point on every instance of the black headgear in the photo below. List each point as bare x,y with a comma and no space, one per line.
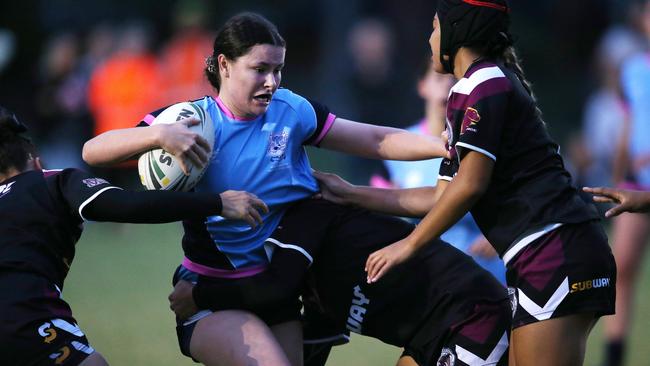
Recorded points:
10,120
466,23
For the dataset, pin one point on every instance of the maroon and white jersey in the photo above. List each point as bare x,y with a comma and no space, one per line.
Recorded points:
490,111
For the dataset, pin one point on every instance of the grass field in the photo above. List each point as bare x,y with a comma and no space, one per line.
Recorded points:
121,277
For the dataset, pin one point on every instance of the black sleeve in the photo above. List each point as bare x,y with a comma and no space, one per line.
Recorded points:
279,284
149,117
151,206
322,113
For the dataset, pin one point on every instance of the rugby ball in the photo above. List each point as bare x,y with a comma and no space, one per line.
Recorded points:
160,170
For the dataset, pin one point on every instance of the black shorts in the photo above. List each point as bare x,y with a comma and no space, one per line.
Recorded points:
36,325
570,270
438,299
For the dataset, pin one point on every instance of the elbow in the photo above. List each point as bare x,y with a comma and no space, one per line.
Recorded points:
87,153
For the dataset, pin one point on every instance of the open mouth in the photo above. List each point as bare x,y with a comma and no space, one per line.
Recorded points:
264,98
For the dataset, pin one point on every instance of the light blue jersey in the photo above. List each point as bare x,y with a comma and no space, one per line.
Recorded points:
264,156
635,81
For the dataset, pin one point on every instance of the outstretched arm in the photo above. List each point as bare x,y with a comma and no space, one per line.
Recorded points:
459,196
625,200
380,142
412,202
165,206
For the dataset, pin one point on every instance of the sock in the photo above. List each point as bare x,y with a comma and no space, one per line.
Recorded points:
614,353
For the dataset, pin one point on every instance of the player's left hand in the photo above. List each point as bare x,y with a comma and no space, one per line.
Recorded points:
383,260
181,301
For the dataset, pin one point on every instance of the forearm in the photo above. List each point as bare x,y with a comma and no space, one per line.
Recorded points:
413,202
403,145
119,145
458,199
380,142
151,206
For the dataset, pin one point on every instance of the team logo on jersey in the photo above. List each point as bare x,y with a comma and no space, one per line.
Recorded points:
5,188
470,120
447,358
47,332
92,182
60,356
590,284
278,144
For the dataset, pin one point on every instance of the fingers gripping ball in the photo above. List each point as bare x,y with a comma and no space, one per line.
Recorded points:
160,170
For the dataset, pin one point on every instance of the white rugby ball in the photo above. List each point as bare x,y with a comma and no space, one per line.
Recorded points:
160,170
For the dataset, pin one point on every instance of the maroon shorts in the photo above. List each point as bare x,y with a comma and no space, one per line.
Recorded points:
36,325
570,270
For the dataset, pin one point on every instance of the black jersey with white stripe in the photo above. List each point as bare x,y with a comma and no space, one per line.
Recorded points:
490,111
41,217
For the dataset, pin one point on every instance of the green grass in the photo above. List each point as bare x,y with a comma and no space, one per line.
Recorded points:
121,277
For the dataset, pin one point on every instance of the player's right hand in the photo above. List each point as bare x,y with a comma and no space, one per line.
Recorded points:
181,301
241,205
333,188
625,200
187,146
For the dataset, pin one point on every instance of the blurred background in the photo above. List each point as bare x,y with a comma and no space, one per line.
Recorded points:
72,69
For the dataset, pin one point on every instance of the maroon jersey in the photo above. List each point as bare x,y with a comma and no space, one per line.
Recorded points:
491,112
41,219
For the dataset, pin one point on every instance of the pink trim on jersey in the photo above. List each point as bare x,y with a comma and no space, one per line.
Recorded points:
423,126
148,119
634,186
378,181
222,273
328,124
228,113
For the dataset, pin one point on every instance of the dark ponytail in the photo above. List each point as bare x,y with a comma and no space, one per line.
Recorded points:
500,48
15,148
237,36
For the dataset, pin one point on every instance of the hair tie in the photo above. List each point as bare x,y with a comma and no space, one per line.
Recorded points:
211,65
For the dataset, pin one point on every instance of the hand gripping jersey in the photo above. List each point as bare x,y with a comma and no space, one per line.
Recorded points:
490,112
264,156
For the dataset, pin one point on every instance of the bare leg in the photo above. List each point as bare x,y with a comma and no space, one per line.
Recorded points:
629,239
95,359
235,338
289,336
406,361
554,342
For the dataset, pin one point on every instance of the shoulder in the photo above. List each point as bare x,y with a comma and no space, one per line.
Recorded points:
285,99
481,78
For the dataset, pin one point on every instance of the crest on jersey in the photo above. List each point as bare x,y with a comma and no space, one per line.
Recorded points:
93,182
470,119
447,358
278,144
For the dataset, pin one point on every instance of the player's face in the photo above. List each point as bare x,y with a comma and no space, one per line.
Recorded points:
250,81
434,42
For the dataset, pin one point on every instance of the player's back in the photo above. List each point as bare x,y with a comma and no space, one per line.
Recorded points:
38,231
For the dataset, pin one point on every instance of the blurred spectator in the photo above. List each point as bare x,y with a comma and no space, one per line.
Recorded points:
180,61
124,88
592,152
631,230
61,103
433,88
